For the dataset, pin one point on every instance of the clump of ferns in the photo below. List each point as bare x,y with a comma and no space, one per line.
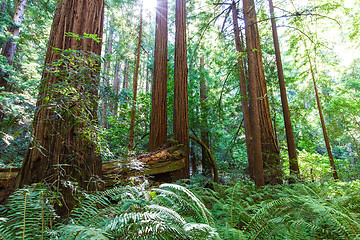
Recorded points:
301,211
168,212
29,214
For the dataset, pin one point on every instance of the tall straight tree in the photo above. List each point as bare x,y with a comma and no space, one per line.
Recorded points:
158,119
293,162
10,46
253,93
326,137
270,150
244,98
135,81
181,120
62,149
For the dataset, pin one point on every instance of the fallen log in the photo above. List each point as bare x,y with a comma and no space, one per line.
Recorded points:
165,160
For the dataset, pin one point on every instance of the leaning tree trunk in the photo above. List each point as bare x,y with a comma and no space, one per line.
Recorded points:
158,119
253,93
10,46
242,82
293,162
135,82
181,121
270,150
326,138
63,148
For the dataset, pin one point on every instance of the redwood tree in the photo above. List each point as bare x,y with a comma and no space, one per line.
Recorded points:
135,81
181,121
293,162
63,149
158,119
269,147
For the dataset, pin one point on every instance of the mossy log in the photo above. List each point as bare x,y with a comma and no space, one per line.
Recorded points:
167,159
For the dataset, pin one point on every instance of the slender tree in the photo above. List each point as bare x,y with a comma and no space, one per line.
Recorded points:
181,121
158,119
293,162
116,85
205,161
126,75
242,83
135,81
326,138
63,149
10,46
253,93
109,47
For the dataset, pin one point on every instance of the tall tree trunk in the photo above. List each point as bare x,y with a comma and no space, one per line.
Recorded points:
116,86
293,162
109,47
270,150
158,119
326,138
244,98
61,150
10,46
181,121
205,161
126,75
253,93
135,81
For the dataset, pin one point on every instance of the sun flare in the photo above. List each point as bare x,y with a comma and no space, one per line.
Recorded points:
150,5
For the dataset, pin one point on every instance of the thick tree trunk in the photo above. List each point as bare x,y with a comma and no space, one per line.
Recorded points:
253,93
135,82
242,83
109,47
61,150
181,121
206,166
10,46
270,150
293,162
158,121
326,138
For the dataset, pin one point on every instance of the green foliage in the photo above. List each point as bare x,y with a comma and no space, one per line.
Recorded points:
118,213
297,211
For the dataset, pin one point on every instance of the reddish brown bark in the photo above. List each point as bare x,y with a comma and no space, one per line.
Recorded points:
293,162
181,121
242,83
270,150
158,121
135,82
253,93
60,151
326,138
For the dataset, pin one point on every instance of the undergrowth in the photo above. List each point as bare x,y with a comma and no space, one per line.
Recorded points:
240,211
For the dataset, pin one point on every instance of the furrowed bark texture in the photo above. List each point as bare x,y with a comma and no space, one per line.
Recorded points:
60,151
158,121
181,121
270,150
242,83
